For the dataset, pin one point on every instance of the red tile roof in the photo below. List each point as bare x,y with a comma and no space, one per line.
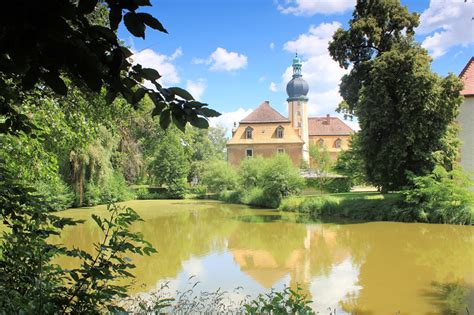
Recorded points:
467,77
264,114
328,126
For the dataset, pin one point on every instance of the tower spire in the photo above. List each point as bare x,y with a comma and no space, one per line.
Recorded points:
296,66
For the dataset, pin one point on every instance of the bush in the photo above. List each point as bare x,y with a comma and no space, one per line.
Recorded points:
280,178
56,193
219,176
231,196
375,207
331,185
250,171
442,197
261,198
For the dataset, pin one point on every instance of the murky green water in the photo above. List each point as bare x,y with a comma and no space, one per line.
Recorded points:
365,268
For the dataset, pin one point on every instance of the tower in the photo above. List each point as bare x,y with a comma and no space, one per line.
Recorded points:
297,89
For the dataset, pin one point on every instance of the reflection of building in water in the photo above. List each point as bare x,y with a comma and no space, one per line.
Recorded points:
314,254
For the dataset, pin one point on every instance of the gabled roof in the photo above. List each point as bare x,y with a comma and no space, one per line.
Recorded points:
467,77
328,126
264,114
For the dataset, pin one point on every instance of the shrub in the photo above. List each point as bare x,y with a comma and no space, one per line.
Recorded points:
291,203
338,185
56,193
331,185
442,197
219,176
250,171
280,178
231,196
261,198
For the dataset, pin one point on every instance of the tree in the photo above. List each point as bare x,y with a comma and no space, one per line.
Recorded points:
170,166
350,163
49,42
320,164
404,109
376,26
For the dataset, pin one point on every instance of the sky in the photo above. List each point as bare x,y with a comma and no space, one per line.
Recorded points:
235,54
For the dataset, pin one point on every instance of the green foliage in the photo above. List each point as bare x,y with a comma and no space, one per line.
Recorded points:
250,171
264,182
170,165
86,50
350,163
330,184
392,90
280,178
259,197
442,197
353,206
396,137
288,301
29,280
219,176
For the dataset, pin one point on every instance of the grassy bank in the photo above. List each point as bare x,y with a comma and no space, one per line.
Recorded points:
355,206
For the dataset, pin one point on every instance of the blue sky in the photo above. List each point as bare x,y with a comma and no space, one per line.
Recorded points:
234,54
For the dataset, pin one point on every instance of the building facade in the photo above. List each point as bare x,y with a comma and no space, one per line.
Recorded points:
466,118
266,132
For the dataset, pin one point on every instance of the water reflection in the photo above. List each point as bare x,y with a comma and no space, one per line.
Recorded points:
370,268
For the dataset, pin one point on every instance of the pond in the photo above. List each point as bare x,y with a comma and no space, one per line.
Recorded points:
360,268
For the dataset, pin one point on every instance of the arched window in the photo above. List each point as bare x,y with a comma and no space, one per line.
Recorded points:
338,143
280,150
248,133
321,142
279,132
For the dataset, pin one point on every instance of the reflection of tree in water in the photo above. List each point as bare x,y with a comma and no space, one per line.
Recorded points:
178,236
451,298
402,260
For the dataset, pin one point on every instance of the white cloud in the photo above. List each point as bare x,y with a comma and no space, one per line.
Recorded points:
262,79
321,72
272,46
273,87
223,60
446,23
149,58
196,88
228,119
311,7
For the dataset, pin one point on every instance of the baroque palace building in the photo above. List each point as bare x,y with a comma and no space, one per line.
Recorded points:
266,132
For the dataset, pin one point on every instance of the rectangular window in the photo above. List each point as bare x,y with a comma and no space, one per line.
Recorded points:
249,152
248,133
279,133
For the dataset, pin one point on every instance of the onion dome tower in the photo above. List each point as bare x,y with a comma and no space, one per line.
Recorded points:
297,89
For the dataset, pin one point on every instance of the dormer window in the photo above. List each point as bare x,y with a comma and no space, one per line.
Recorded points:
248,133
338,143
279,132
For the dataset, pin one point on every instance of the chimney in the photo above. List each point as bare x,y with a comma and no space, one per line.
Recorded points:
328,119
234,129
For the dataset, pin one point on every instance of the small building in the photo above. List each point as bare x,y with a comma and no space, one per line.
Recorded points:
266,132
466,117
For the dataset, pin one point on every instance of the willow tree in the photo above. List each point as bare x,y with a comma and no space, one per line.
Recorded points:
404,109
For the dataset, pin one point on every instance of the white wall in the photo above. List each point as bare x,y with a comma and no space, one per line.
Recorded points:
466,133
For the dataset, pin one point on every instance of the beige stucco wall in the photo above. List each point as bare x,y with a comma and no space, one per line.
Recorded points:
329,143
237,152
466,133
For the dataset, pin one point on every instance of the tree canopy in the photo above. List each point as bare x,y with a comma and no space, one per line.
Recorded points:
405,110
47,43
